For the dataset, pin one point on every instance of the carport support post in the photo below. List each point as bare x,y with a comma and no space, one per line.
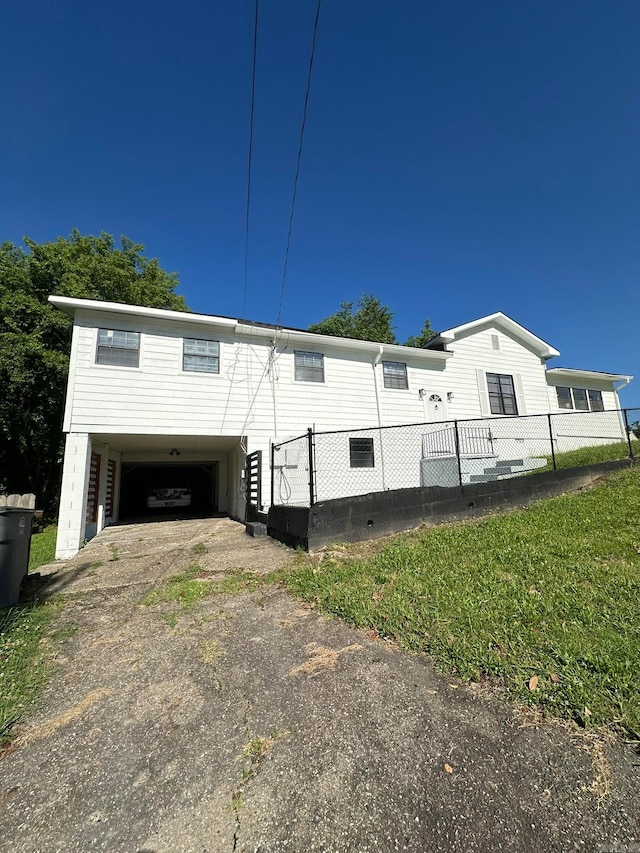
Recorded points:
553,450
311,471
628,431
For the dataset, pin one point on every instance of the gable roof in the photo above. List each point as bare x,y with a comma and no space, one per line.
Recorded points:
501,321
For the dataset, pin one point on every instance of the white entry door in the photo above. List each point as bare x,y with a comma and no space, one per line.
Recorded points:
435,408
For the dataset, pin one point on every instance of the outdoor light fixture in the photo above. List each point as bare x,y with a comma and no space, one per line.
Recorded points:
449,396
422,392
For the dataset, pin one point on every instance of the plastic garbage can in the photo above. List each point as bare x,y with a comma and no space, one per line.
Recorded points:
15,544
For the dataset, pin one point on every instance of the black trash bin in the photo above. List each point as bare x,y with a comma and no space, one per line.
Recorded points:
15,544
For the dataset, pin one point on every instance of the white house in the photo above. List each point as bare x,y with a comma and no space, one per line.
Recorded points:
169,403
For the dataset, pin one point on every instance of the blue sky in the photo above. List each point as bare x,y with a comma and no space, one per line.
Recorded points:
460,158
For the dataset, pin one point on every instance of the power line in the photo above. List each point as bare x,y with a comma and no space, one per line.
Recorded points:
253,100
295,182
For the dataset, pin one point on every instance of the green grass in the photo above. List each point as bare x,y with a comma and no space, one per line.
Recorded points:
27,645
552,591
191,585
588,456
43,547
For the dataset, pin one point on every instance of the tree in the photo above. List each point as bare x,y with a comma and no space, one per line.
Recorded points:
371,322
423,337
35,341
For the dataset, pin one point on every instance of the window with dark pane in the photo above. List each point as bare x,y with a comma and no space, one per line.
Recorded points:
565,401
118,348
595,401
580,401
502,395
361,453
395,374
309,366
200,356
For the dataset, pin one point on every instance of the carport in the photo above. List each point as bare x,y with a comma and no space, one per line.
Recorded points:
150,477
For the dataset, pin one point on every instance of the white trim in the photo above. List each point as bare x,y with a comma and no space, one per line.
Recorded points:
518,387
483,393
542,348
295,337
572,374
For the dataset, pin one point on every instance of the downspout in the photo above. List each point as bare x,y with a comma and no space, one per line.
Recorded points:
616,388
375,364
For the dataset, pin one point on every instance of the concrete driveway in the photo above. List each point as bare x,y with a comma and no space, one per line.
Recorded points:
248,722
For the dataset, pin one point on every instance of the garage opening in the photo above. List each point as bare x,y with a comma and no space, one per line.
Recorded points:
151,491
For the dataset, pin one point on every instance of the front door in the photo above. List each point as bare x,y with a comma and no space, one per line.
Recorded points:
435,409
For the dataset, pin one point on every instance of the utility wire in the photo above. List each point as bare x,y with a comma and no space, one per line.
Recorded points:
295,182
253,100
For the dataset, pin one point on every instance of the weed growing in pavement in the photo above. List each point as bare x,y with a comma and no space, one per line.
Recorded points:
199,548
114,554
192,585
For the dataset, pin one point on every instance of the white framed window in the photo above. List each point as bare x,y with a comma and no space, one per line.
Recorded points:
395,374
361,453
309,366
118,348
200,356
580,399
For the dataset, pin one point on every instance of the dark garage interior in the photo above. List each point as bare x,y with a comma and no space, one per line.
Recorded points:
139,480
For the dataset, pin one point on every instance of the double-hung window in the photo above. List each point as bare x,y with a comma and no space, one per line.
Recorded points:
200,356
395,374
502,395
309,366
118,348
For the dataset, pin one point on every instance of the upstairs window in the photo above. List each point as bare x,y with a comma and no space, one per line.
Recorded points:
581,399
118,348
395,374
361,453
309,366
502,395
200,356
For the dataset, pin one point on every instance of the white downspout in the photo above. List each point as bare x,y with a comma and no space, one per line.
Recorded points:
374,366
616,388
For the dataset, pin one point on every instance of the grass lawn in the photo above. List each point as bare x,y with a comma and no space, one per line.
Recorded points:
590,456
43,547
28,636
545,601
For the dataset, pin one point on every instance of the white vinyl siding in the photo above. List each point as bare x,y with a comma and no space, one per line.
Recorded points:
395,374
201,356
309,366
118,348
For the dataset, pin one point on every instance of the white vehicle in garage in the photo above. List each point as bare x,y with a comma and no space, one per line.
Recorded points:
169,497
